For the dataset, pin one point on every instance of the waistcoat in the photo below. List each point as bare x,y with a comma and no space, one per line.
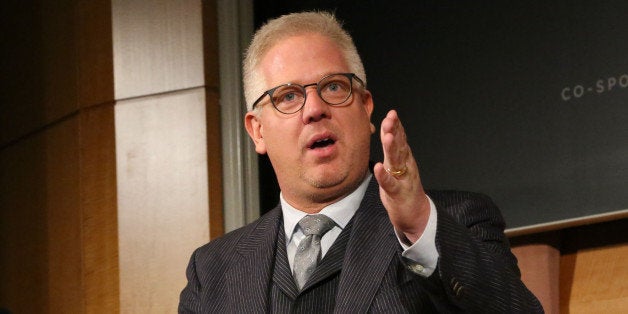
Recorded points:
319,293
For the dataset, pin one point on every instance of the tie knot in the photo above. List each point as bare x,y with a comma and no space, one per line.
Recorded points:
316,224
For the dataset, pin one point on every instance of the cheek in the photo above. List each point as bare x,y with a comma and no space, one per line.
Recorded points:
364,134
283,154
280,142
363,126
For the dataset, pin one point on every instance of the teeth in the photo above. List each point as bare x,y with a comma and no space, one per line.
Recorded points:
322,142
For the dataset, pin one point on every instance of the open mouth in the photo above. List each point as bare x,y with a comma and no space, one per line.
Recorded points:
322,143
322,140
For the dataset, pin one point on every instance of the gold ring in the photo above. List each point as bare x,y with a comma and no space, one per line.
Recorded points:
397,173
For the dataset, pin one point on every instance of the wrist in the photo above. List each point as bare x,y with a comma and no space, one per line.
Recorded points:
411,238
416,229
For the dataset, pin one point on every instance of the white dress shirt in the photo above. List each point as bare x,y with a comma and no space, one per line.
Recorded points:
423,252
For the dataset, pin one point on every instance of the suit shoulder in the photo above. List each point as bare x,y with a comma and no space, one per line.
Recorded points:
226,241
218,248
454,197
223,246
468,208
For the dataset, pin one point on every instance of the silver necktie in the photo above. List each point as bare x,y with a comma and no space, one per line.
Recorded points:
309,251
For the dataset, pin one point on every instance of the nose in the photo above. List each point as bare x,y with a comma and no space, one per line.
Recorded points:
314,108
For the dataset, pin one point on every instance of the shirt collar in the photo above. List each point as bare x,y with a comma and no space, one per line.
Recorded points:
340,212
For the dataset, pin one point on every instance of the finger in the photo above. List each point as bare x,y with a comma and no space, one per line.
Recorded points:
394,143
395,152
386,181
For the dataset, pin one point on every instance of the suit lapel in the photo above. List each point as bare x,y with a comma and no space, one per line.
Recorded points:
371,249
282,276
248,279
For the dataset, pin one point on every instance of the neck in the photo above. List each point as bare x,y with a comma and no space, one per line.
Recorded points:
323,197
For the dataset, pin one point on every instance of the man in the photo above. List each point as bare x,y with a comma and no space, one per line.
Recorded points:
390,246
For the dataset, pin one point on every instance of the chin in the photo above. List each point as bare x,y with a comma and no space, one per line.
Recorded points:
326,179
325,182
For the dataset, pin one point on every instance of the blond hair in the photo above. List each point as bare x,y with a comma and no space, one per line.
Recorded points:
323,23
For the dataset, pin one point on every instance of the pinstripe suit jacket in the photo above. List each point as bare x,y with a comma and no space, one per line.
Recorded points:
476,271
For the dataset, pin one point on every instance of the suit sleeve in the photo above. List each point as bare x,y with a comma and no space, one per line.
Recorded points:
476,269
189,301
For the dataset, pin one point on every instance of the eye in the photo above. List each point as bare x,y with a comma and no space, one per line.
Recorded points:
336,84
333,87
336,87
287,95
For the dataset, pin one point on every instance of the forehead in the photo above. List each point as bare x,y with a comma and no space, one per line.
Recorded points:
301,59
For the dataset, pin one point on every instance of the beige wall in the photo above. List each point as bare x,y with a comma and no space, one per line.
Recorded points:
161,149
162,196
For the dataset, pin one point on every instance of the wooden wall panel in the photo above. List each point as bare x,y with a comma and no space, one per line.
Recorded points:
593,268
595,280
59,70
580,269
41,82
63,217
23,227
540,268
41,222
162,196
214,165
100,270
59,236
21,65
57,160
210,45
213,114
95,48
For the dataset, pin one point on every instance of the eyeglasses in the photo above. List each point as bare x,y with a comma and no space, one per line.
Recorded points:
334,89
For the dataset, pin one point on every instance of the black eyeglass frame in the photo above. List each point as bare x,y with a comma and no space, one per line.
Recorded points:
270,92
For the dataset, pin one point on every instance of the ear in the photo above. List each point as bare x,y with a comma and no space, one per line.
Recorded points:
367,100
255,129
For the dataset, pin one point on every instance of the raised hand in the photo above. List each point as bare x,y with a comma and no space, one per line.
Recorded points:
400,185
